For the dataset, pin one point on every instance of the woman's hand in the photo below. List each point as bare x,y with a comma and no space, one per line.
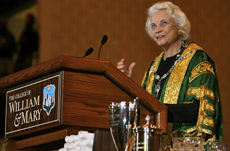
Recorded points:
123,67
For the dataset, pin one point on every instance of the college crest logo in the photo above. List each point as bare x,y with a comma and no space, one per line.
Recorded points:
48,98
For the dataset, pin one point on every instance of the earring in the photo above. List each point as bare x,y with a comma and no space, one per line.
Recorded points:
179,32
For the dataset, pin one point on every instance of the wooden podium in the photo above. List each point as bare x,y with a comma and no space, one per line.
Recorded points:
59,97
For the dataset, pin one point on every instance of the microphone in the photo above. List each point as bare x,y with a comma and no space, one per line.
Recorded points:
88,52
103,41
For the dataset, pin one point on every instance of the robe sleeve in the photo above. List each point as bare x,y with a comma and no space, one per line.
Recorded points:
203,86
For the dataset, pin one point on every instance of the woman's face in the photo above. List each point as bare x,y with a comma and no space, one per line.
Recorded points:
164,29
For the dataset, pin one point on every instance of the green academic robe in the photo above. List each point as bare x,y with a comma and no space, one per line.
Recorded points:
193,77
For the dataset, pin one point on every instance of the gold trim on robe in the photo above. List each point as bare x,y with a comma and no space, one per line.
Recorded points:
208,121
202,116
199,94
177,76
149,83
201,68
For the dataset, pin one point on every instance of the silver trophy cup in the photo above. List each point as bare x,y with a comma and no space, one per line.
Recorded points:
123,117
147,137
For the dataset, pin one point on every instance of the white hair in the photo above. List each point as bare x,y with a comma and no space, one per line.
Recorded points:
175,12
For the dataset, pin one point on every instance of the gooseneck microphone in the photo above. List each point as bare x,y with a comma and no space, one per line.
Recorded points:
103,41
88,52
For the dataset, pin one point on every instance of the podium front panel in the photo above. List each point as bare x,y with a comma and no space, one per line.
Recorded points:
33,105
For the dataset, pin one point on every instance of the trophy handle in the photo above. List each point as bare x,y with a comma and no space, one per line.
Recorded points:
129,138
114,142
137,112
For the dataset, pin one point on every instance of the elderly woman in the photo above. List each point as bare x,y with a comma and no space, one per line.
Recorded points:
183,76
